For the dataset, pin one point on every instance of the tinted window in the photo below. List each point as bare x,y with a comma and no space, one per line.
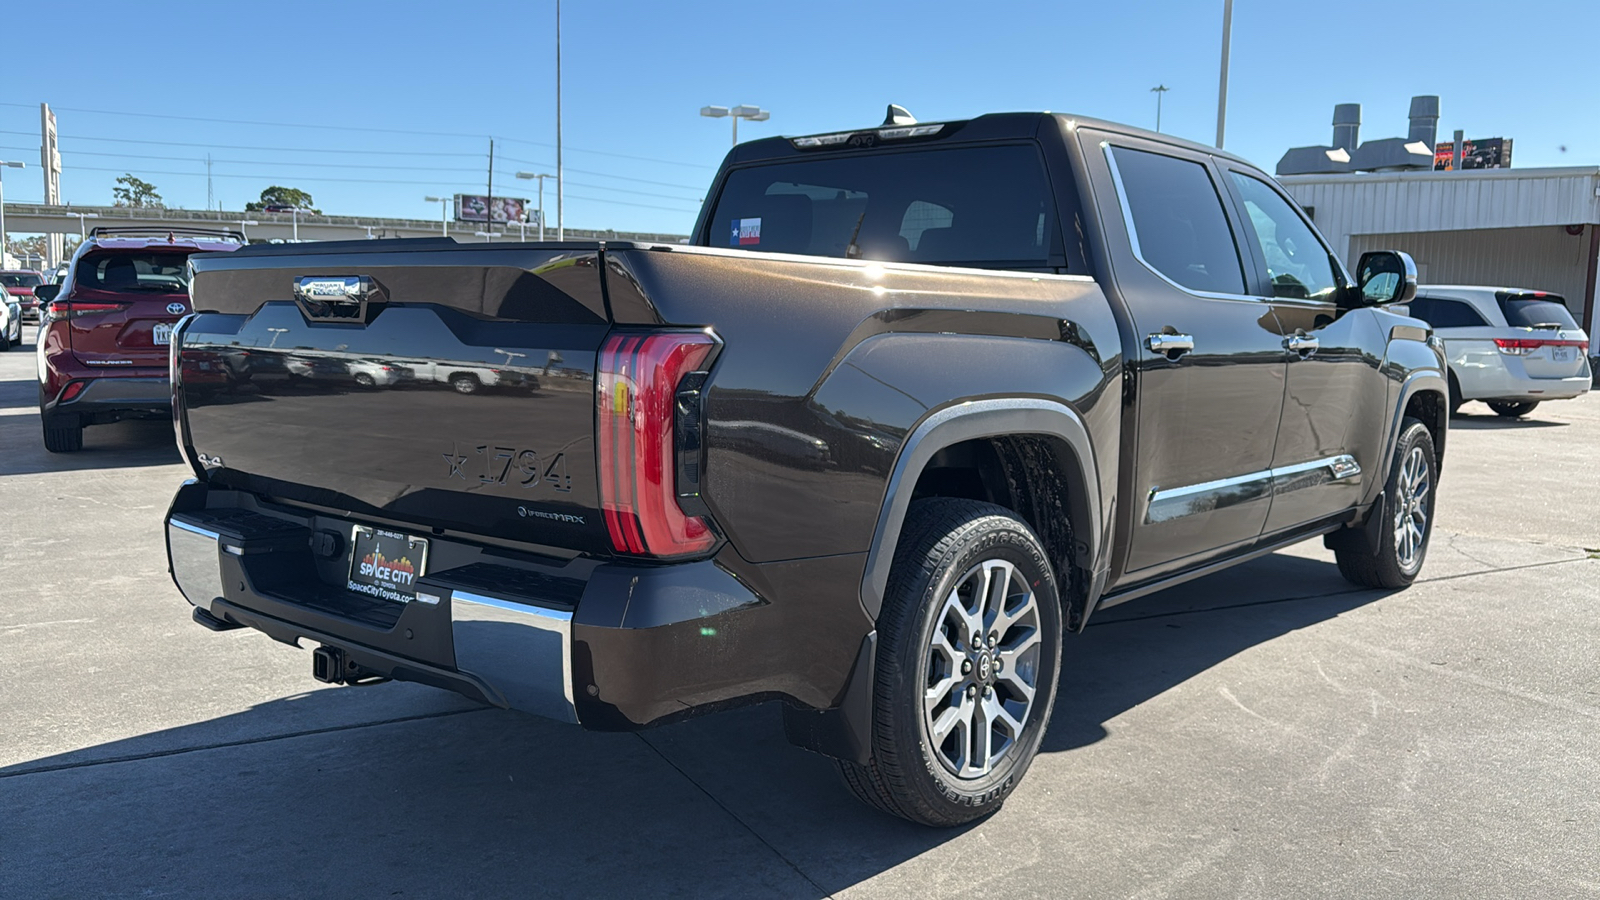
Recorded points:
1178,222
19,279
133,272
1525,311
1442,313
1296,261
981,206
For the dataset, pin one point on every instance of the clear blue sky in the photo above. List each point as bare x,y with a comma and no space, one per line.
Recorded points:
428,83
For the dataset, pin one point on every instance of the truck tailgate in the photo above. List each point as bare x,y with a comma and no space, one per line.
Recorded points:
460,396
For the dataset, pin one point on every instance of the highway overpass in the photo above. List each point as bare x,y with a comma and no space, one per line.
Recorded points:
26,218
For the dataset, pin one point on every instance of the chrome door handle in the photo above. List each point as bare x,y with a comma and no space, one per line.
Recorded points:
1172,345
1303,344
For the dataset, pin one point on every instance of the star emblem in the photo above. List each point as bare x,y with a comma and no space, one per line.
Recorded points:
456,461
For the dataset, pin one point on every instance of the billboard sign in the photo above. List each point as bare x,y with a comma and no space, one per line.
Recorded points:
476,208
1484,153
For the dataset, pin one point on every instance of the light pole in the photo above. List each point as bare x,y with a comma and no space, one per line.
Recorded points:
488,236
241,228
541,176
1159,90
444,213
4,242
83,234
294,220
561,181
1222,86
753,113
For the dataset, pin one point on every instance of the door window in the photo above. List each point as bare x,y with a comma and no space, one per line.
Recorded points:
1297,262
1177,222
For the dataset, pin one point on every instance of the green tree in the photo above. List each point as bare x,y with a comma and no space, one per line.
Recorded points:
278,195
134,191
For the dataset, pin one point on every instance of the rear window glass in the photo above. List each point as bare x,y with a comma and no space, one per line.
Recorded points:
1523,311
133,272
980,206
1441,312
16,279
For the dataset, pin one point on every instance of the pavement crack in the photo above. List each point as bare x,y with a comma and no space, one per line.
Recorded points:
735,816
20,771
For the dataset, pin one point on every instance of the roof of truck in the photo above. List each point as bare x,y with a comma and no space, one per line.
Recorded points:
991,126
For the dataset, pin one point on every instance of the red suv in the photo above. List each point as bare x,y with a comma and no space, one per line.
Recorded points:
105,329
19,283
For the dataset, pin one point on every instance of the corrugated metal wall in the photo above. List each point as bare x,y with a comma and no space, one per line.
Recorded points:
1543,259
1399,202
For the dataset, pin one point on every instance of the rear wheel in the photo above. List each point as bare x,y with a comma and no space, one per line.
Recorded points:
365,380
60,438
1405,520
968,655
465,383
1455,395
1512,410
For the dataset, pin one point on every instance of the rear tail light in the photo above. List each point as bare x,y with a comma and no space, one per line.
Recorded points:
72,390
72,309
639,379
1525,346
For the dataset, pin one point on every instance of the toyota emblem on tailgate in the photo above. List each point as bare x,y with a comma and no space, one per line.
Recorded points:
336,296
176,308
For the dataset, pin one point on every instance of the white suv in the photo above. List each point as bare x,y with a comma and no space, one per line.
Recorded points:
1510,348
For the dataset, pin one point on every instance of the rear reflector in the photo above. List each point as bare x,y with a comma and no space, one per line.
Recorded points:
636,392
72,390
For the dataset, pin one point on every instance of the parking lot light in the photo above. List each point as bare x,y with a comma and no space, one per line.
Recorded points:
15,164
444,213
753,113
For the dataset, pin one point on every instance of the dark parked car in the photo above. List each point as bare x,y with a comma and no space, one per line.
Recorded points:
919,401
104,333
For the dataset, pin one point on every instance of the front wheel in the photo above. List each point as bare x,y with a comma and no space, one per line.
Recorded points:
465,383
1405,521
1512,410
968,655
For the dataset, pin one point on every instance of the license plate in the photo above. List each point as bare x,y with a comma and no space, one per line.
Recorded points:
1561,354
162,333
386,564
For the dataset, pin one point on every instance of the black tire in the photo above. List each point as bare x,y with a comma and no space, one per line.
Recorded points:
943,543
1510,410
465,383
1386,564
62,438
365,380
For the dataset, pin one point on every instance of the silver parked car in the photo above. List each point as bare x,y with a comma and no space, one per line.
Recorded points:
1510,348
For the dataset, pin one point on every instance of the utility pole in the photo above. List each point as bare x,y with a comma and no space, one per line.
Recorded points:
1222,87
1159,90
488,213
210,198
561,180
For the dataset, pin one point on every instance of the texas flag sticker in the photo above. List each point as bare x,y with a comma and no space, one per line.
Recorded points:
746,232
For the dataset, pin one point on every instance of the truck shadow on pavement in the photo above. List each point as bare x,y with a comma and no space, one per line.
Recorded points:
399,789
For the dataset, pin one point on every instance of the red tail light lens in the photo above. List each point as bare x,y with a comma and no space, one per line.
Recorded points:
1525,346
72,390
72,309
636,388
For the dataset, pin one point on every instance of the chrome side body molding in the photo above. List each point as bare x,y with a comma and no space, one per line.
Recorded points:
1173,503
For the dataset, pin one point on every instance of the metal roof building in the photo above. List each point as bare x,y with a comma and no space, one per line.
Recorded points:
1529,228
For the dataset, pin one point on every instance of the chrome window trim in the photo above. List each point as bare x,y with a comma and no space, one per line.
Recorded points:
1132,230
1164,505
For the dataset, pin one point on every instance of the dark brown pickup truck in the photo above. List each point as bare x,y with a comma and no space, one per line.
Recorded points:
919,399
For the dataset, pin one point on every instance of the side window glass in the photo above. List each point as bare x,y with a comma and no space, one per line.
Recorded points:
1296,260
1444,313
1178,226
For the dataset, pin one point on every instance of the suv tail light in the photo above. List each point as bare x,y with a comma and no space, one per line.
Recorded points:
639,380
72,309
1525,346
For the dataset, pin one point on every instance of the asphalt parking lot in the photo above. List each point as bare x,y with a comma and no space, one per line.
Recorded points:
1266,732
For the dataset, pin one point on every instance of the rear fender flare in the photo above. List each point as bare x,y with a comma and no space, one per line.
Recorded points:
1417,382
969,421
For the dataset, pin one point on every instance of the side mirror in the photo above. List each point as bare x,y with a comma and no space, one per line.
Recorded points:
47,292
1386,276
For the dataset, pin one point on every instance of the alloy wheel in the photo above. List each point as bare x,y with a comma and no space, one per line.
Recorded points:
982,666
1411,509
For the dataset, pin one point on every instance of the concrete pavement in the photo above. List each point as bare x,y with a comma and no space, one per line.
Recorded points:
1266,732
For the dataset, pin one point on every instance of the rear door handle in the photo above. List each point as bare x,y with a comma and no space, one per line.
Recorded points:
1303,344
1171,345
